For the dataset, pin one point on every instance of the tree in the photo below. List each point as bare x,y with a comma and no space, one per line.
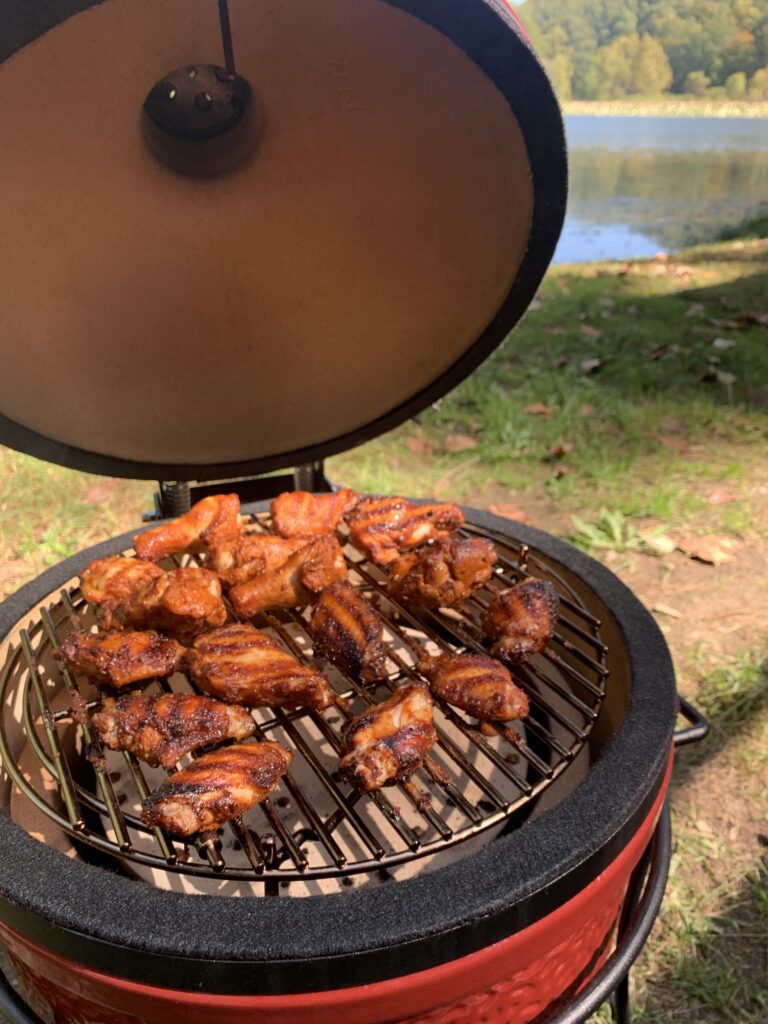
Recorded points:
696,83
758,85
736,85
630,65
560,70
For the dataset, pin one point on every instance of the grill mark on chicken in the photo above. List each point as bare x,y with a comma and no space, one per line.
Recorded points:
120,657
214,521
389,741
444,575
112,582
347,630
216,788
477,684
522,619
316,565
242,665
301,514
385,527
161,729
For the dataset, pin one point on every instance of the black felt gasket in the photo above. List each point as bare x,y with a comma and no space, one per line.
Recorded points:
490,35
110,923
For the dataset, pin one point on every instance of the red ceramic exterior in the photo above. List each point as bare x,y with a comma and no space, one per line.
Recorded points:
511,982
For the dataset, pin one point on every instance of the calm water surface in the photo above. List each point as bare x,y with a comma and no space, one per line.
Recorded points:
642,185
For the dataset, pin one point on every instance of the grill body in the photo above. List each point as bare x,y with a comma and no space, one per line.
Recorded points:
501,935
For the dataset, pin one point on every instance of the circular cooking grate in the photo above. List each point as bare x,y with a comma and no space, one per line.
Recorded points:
313,827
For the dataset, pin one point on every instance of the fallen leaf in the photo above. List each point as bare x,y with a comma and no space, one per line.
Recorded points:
538,409
590,365
659,543
721,344
591,332
668,610
99,493
710,548
509,512
557,451
718,497
419,445
673,426
459,443
695,310
588,410
658,352
562,470
561,361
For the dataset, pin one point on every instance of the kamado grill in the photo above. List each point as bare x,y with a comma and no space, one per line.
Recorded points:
216,268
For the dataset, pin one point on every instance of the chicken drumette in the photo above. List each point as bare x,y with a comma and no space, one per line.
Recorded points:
389,741
161,729
252,555
213,522
110,583
443,575
184,602
305,573
300,514
347,630
522,620
386,527
120,657
239,664
476,683
216,788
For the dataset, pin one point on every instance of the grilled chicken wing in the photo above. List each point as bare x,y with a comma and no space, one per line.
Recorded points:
346,630
305,573
161,729
183,602
477,684
112,582
385,527
389,741
120,657
216,788
213,522
252,555
444,575
300,514
522,620
239,664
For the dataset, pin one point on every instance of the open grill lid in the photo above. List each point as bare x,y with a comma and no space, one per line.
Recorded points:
385,224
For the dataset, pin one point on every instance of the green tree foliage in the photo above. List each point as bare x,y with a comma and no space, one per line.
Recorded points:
758,84
736,85
718,38
696,83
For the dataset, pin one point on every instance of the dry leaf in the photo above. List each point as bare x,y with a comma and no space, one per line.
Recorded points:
718,497
509,512
590,365
557,451
665,609
695,310
561,361
591,332
538,409
721,344
658,352
710,548
459,443
419,445
562,470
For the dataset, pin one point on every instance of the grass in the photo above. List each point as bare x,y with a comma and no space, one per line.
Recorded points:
668,106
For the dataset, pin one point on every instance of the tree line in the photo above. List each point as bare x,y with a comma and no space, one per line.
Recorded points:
608,49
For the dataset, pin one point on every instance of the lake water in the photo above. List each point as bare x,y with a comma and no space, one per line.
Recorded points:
642,185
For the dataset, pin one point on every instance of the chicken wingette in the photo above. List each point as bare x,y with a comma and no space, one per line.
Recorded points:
183,602
300,514
522,620
216,788
476,683
444,574
214,521
110,583
120,657
386,527
347,630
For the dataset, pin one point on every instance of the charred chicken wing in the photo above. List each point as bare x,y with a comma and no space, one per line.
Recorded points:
241,665
346,630
252,555
300,514
216,788
161,729
213,522
476,683
184,602
385,527
444,575
305,573
389,741
113,582
120,657
522,620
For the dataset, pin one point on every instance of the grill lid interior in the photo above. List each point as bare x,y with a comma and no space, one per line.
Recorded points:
394,222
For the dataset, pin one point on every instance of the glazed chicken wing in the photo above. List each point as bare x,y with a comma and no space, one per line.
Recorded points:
522,620
112,582
346,629
389,741
213,522
239,664
252,555
305,573
161,729
120,657
300,514
444,575
216,788
385,527
184,602
476,683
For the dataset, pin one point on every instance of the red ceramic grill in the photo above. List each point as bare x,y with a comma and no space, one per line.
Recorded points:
246,236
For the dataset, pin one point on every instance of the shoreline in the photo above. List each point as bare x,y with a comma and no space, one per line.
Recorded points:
667,107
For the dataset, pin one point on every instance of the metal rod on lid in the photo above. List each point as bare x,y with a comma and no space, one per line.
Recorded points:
226,37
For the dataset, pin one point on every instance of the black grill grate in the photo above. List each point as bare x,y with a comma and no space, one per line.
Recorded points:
313,828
